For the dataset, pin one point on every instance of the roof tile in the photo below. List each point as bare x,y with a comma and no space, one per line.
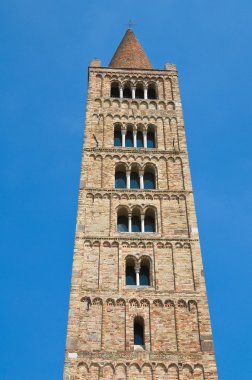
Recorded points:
130,54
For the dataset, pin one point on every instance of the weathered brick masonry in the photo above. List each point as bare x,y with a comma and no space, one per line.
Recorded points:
172,307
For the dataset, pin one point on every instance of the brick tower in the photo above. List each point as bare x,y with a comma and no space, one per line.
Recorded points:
138,305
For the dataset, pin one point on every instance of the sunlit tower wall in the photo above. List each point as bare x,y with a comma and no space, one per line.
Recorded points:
138,304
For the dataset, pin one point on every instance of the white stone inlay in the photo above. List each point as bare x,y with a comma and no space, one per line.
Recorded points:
72,355
194,230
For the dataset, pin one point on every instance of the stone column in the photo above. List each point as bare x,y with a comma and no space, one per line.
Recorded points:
123,137
135,138
128,179
133,92
137,270
121,92
145,139
129,223
141,175
145,92
142,223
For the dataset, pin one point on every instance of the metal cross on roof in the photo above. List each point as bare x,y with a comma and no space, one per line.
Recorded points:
130,24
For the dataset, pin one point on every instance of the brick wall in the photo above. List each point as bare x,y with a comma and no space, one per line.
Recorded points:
177,331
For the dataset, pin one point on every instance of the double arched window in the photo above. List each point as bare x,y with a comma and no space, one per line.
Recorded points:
134,137
137,273
135,178
138,90
136,221
130,273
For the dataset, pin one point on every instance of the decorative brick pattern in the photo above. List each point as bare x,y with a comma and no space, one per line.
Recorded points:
177,331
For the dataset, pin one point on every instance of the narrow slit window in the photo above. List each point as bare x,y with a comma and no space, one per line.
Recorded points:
138,332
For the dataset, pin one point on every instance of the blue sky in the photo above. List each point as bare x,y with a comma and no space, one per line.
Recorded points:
45,49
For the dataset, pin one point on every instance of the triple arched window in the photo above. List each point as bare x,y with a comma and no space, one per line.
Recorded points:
134,137
129,90
136,221
134,178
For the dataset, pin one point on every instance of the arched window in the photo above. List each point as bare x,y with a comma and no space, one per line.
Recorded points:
136,221
144,275
117,136
149,178
129,137
150,138
114,91
138,331
120,178
149,221
130,275
130,272
139,91
140,142
152,94
122,221
136,224
127,91
134,180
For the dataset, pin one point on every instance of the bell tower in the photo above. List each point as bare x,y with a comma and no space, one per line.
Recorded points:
138,304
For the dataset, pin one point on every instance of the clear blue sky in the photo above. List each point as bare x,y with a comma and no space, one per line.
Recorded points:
45,49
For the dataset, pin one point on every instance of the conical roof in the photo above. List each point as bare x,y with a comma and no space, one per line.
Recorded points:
130,54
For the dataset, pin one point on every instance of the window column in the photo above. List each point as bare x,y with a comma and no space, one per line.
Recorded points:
130,222
137,270
121,92
128,179
133,89
142,223
123,137
141,175
145,92
145,139
134,138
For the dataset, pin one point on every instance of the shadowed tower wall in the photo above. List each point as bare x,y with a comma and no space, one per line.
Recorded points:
138,304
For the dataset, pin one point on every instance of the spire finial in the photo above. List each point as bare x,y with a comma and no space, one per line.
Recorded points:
130,24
